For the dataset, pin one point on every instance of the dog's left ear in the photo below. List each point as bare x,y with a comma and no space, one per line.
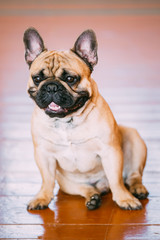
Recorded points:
33,44
86,48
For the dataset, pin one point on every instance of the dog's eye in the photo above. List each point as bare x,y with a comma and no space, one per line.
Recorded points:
71,79
37,79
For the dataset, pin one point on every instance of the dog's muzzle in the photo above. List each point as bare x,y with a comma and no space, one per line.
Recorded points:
57,101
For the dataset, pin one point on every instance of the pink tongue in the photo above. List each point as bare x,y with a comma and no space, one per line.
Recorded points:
54,106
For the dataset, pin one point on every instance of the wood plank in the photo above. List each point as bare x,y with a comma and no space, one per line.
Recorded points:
87,232
56,232
133,232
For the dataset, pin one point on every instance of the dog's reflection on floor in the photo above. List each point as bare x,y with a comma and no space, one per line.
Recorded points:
67,216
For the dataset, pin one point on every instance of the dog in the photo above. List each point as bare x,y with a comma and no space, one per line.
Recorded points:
76,138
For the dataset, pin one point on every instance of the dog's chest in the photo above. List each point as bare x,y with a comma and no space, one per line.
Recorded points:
75,150
83,156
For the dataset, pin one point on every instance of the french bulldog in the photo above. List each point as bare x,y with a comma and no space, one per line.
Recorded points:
77,141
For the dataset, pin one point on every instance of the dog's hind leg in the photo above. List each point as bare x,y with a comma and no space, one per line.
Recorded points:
89,192
135,153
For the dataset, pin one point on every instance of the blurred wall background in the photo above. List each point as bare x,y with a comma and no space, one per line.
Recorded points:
128,33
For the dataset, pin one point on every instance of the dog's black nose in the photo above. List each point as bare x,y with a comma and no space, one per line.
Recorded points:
51,87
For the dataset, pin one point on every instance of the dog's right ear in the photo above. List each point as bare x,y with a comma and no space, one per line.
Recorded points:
33,45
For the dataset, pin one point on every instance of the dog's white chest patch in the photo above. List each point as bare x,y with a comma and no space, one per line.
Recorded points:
82,157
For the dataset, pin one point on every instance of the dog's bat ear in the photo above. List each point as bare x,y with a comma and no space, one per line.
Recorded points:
86,48
33,45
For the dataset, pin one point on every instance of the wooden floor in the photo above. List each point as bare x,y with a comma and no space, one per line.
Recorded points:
128,75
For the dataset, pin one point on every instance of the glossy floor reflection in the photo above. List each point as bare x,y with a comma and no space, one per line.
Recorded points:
128,75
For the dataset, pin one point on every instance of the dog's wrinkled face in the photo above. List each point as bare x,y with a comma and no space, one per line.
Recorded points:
60,82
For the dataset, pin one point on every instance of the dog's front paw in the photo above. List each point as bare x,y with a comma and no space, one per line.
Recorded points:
38,204
129,204
94,202
139,191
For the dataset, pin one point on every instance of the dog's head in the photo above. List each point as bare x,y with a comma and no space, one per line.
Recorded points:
60,82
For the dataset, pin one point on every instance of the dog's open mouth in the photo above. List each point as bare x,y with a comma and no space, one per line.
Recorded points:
55,110
53,107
